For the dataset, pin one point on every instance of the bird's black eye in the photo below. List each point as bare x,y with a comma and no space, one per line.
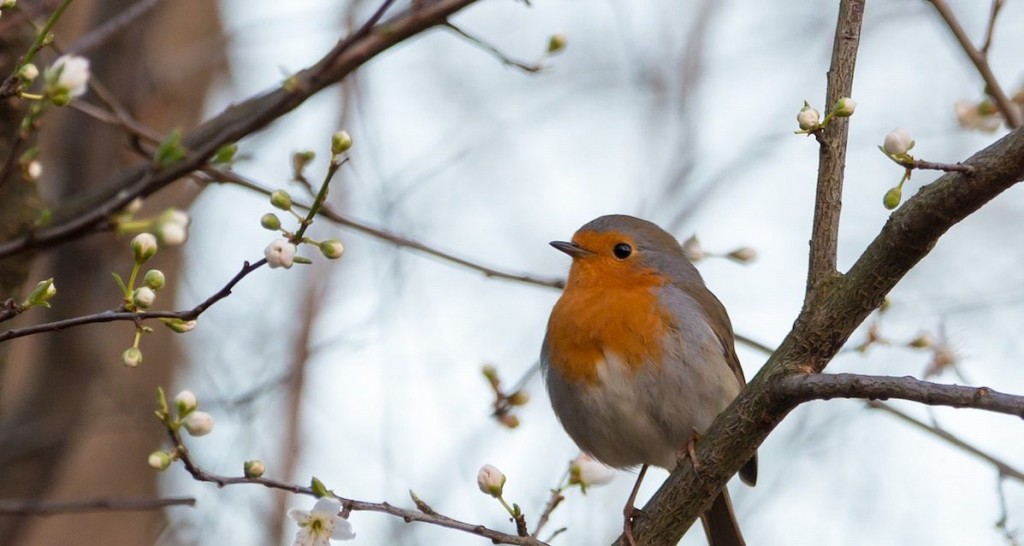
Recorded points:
622,251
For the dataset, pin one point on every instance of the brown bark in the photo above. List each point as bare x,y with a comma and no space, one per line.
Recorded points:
80,427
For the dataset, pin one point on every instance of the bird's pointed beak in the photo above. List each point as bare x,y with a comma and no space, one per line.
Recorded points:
572,249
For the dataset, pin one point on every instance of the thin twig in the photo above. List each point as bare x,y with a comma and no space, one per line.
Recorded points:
120,315
1003,467
91,215
220,175
932,166
9,507
497,53
980,61
425,514
99,35
991,29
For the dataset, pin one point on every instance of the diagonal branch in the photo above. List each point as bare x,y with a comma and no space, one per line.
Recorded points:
93,213
822,328
980,60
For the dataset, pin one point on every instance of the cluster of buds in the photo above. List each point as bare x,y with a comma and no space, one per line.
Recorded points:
170,227
281,253
809,119
504,403
185,415
144,247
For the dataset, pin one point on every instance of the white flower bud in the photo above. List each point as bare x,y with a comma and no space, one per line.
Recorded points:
28,73
143,297
172,234
254,468
845,107
143,247
131,357
898,142
178,325
199,423
808,118
68,77
332,249
159,460
33,170
490,480
340,142
186,402
280,253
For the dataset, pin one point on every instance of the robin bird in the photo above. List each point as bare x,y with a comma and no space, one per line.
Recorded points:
639,356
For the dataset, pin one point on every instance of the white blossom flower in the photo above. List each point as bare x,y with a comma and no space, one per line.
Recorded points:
68,76
587,472
490,480
321,525
280,253
199,423
898,142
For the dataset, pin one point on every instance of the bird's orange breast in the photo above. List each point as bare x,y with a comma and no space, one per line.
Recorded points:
603,309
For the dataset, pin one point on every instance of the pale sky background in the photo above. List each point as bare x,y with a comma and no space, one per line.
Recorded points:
457,151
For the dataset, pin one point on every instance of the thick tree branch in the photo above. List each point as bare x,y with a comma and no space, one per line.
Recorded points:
93,214
797,389
821,330
832,148
10,507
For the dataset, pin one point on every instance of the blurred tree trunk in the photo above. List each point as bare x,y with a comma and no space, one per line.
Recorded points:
76,423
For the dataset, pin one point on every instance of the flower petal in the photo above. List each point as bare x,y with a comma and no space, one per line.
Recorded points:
327,505
299,515
342,530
